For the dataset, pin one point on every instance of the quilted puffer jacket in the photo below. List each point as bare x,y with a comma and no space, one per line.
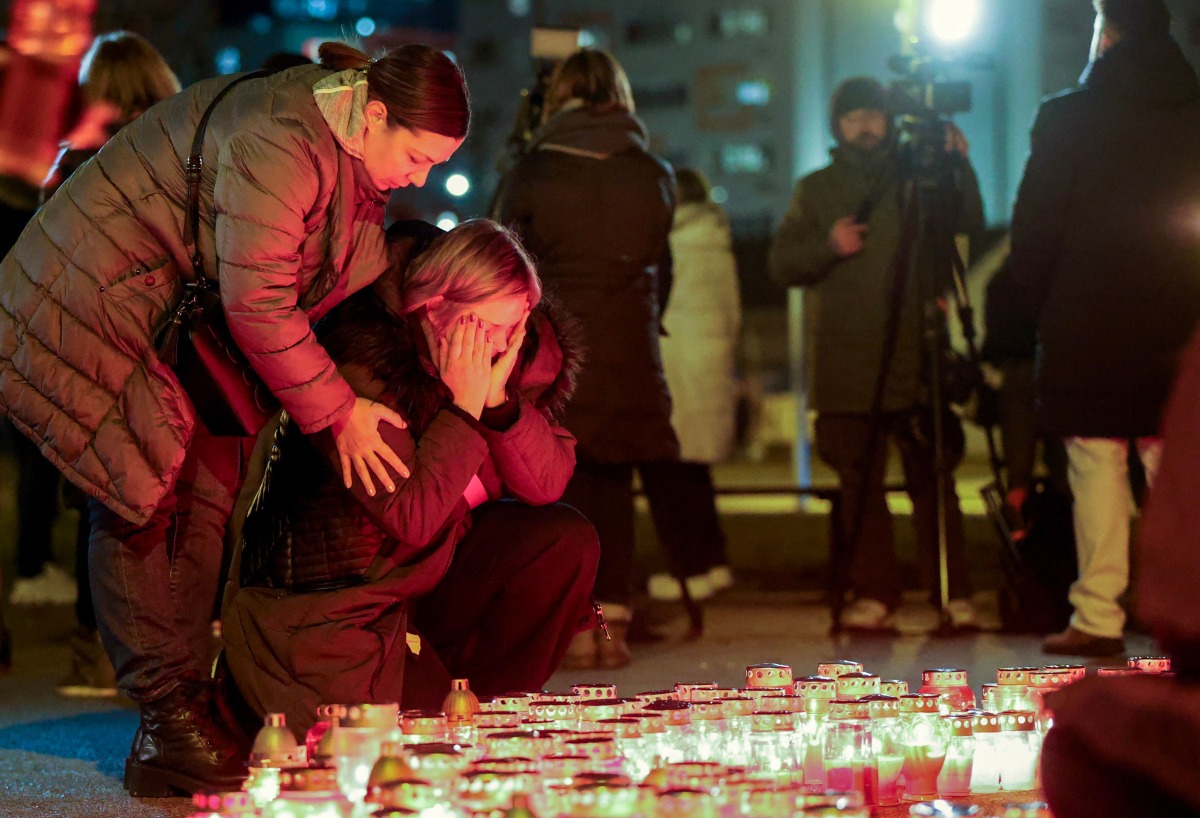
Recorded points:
290,225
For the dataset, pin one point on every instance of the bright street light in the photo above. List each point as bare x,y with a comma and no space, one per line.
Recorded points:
952,21
447,220
457,184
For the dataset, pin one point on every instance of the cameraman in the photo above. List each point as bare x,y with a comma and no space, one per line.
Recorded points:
847,267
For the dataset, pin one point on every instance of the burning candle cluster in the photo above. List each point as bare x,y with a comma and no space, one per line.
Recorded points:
841,742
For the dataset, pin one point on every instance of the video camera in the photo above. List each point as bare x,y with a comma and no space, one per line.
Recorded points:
923,97
922,89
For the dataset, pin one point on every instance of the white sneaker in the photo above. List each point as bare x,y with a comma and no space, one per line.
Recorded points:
867,615
53,586
720,577
962,614
665,587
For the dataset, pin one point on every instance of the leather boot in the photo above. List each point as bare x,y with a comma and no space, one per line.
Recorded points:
179,749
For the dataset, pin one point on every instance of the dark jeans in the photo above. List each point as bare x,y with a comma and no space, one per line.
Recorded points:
156,585
682,505
841,441
517,590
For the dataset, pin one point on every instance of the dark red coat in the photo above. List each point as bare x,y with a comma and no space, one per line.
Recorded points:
326,573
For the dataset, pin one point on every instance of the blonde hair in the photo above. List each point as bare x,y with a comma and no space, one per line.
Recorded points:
592,76
124,70
475,262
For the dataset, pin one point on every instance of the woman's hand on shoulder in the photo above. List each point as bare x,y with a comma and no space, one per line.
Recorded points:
502,369
362,450
464,361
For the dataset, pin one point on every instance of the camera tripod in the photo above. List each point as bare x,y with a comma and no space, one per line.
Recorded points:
929,205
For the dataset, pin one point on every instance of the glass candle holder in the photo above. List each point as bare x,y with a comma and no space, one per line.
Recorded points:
885,740
857,684
1019,749
954,781
1117,671
678,736
311,793
924,736
559,715
327,715
1071,673
424,727
893,687
435,762
850,759
985,771
224,804
592,691
951,685
710,732
357,742
684,690
1150,664
513,701
686,803
837,667
834,805
773,748
769,675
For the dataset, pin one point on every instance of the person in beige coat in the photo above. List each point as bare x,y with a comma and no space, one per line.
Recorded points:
702,320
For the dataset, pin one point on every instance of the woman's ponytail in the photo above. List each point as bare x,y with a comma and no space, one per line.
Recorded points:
341,56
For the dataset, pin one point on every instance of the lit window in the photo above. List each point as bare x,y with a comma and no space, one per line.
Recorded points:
746,22
743,159
754,93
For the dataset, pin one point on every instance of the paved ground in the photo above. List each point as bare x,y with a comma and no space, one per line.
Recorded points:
64,758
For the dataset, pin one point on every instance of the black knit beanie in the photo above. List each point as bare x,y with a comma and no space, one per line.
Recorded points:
855,94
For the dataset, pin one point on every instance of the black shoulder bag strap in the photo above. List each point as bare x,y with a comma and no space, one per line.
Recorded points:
190,307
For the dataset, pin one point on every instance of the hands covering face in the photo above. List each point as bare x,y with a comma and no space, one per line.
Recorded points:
463,353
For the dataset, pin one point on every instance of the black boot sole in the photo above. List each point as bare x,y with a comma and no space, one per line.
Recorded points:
146,781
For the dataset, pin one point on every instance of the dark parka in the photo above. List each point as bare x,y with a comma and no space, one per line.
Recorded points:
91,280
847,299
326,573
595,207
1106,239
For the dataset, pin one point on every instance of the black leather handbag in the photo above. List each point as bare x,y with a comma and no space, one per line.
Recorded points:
227,394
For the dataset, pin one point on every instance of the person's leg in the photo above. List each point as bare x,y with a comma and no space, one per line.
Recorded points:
914,437
517,590
151,625
1100,484
841,441
212,479
85,607
37,507
604,495
683,505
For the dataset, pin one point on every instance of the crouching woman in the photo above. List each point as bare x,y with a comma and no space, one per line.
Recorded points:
470,569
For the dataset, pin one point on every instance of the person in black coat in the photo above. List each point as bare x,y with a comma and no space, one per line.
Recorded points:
1106,246
594,206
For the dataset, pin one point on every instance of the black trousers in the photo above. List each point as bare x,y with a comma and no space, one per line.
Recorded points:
682,505
841,441
518,588
38,489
